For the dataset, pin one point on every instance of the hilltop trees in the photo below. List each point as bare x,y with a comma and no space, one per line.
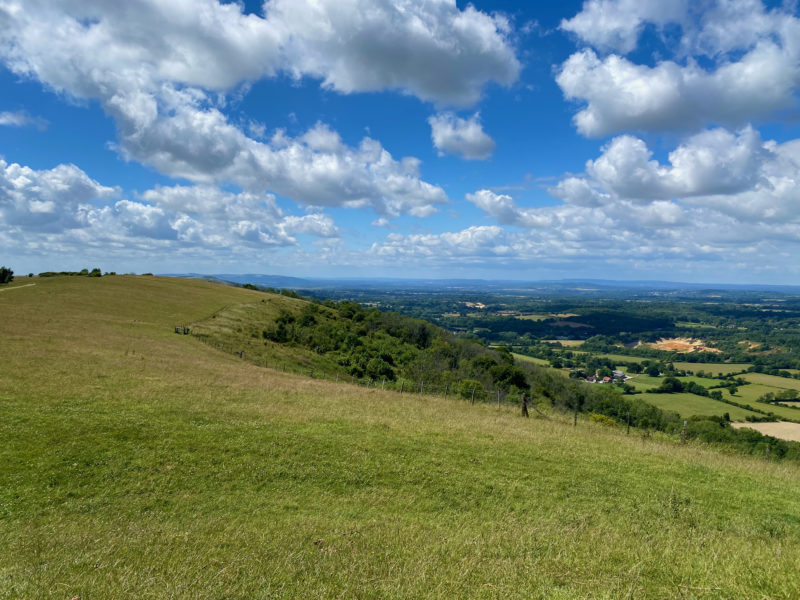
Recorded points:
6,275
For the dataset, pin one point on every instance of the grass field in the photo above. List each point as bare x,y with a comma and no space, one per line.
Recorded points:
521,358
690,404
713,368
567,343
137,463
646,382
531,359
784,383
749,394
618,358
690,325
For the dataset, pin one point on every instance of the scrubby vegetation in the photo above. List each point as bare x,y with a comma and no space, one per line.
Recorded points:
6,275
82,273
403,352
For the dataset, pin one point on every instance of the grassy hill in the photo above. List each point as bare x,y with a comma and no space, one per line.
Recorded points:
137,463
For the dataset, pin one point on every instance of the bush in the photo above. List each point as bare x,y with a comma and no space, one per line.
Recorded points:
465,390
602,420
6,275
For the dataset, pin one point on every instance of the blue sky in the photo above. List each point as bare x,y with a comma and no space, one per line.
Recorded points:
623,139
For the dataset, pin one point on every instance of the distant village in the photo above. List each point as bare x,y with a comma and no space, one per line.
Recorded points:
615,377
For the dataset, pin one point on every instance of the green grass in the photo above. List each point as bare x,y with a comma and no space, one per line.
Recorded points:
749,394
690,325
687,405
644,382
784,383
617,358
521,358
137,463
713,368
530,359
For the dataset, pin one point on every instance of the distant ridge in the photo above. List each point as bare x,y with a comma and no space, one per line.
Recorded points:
581,286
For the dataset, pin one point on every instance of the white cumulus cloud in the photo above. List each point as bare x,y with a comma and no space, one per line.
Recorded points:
160,69
751,68
465,137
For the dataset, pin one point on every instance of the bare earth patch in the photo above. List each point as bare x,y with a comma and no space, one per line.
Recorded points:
682,345
782,429
750,345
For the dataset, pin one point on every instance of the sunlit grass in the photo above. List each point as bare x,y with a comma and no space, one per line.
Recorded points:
139,463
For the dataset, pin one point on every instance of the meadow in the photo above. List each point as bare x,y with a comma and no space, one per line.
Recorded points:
138,463
686,405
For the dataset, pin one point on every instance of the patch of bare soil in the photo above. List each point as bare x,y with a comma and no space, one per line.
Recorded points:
750,345
784,430
682,345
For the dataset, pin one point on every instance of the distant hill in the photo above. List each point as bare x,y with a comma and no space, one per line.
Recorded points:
562,286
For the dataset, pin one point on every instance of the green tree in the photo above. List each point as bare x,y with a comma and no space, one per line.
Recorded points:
6,275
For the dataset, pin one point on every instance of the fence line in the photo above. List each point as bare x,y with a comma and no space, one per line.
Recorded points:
400,385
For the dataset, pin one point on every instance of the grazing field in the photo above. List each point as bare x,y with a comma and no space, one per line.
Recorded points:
687,405
137,463
690,325
646,382
567,343
531,359
539,361
618,358
713,368
784,383
749,394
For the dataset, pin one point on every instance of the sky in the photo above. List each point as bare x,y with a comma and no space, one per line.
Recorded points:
615,139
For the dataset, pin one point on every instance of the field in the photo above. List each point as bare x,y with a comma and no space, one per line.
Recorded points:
531,359
690,325
137,463
567,343
687,405
773,381
783,430
713,368
618,358
644,382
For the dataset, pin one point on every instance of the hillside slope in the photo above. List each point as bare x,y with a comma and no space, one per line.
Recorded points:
140,463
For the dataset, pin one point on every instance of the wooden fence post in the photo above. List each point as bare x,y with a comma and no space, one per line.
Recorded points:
421,383
383,383
498,398
683,433
473,396
525,405
446,389
628,430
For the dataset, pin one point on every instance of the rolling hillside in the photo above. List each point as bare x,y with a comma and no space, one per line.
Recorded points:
137,463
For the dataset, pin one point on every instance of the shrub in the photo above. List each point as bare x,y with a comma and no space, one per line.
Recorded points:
602,420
